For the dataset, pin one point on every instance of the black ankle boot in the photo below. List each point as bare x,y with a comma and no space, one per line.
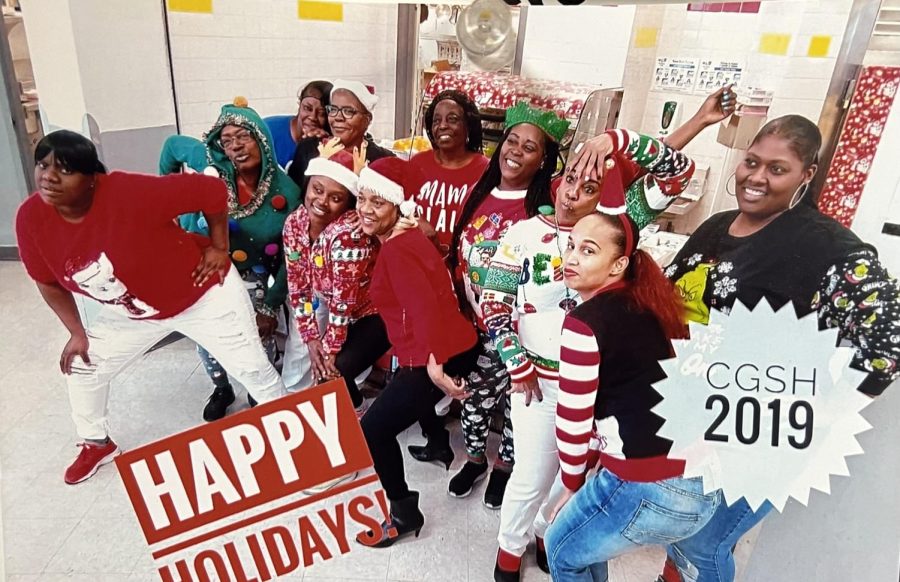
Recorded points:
405,518
218,403
431,453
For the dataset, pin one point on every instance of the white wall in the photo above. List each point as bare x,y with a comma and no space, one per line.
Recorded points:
124,67
54,58
261,50
799,82
582,44
103,57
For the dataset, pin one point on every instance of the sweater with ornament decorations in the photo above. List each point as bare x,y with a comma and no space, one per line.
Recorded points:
336,267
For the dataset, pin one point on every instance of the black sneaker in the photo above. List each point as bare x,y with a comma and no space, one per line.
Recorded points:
496,487
218,403
462,483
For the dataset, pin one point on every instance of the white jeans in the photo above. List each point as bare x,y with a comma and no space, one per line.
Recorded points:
535,485
222,321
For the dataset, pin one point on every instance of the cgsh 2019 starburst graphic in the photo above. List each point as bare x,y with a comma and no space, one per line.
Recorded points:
762,405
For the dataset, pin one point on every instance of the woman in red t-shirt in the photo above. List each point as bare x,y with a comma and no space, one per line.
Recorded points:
434,343
454,166
114,238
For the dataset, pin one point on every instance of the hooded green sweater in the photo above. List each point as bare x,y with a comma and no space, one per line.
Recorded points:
254,228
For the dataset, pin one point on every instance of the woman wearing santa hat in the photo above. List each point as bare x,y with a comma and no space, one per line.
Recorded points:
238,149
524,302
349,116
436,345
329,269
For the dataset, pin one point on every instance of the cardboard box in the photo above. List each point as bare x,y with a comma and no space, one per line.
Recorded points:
739,130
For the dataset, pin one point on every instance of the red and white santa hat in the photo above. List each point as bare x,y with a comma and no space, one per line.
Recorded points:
338,167
395,180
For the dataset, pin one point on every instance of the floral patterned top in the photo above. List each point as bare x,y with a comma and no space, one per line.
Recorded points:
806,258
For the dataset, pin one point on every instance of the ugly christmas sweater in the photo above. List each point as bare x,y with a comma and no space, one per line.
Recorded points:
480,239
256,217
809,259
609,361
525,281
336,267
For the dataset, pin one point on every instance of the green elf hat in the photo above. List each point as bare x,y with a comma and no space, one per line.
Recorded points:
551,123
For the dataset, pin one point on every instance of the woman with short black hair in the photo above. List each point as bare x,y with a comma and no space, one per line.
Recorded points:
114,238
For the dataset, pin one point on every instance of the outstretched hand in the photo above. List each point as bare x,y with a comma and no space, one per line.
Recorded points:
329,148
717,106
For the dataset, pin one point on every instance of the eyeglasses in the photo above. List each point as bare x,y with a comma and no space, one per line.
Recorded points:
238,138
346,112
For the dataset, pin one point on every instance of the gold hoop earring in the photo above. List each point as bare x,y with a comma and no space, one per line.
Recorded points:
732,192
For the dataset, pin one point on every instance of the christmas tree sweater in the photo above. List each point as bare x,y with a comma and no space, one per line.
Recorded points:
524,282
481,237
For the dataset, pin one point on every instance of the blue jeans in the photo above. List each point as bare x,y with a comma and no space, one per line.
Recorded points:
707,555
609,517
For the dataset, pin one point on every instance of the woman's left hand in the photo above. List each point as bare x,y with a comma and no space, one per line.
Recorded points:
589,158
561,503
266,325
213,262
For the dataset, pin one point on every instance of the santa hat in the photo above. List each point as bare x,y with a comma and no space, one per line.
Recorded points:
359,90
612,201
338,167
393,179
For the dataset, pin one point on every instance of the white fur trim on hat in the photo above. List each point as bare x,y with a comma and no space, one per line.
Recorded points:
391,191
337,172
361,92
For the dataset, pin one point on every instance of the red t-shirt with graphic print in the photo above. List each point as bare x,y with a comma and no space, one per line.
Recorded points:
445,190
127,252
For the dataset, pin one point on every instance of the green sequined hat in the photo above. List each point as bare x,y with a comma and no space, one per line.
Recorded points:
549,121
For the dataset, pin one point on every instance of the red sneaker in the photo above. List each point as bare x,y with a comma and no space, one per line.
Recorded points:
89,460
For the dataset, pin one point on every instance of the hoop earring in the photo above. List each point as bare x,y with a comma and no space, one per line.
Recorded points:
733,191
805,187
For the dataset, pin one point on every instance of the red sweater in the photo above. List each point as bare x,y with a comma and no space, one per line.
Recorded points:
128,252
412,291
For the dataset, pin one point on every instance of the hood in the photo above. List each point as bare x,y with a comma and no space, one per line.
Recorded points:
243,116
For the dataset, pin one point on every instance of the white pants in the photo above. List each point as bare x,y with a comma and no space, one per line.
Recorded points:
222,321
535,485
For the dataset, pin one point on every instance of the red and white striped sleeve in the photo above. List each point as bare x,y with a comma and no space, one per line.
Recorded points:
579,370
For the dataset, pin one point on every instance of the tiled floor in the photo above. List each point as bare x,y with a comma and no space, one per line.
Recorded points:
88,532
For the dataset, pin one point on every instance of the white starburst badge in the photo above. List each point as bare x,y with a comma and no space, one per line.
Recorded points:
762,405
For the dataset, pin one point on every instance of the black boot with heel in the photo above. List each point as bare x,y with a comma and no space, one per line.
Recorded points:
431,453
405,518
